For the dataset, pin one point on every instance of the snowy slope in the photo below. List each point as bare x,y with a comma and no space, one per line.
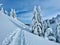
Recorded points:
20,24
23,37
8,25
20,36
36,40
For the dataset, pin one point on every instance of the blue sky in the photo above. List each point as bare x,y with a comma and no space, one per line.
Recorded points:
24,8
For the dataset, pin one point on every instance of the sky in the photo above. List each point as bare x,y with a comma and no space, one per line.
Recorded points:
24,8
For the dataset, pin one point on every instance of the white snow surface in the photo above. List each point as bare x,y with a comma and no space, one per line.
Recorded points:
6,26
23,37
17,35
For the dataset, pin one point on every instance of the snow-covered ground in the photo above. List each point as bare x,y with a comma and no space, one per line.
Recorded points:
23,37
6,26
13,32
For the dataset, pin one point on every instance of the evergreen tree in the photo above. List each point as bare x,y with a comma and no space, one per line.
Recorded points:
2,10
37,21
49,34
58,31
13,13
6,12
48,23
44,27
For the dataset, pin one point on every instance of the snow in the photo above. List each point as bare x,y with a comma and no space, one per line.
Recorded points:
23,37
37,21
36,40
19,33
6,26
19,23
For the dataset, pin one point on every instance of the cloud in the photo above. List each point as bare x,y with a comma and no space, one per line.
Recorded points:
26,16
50,7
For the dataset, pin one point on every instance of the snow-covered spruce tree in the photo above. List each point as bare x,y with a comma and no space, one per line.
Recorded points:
58,31
44,27
6,12
37,21
48,23
33,19
13,13
49,32
2,10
